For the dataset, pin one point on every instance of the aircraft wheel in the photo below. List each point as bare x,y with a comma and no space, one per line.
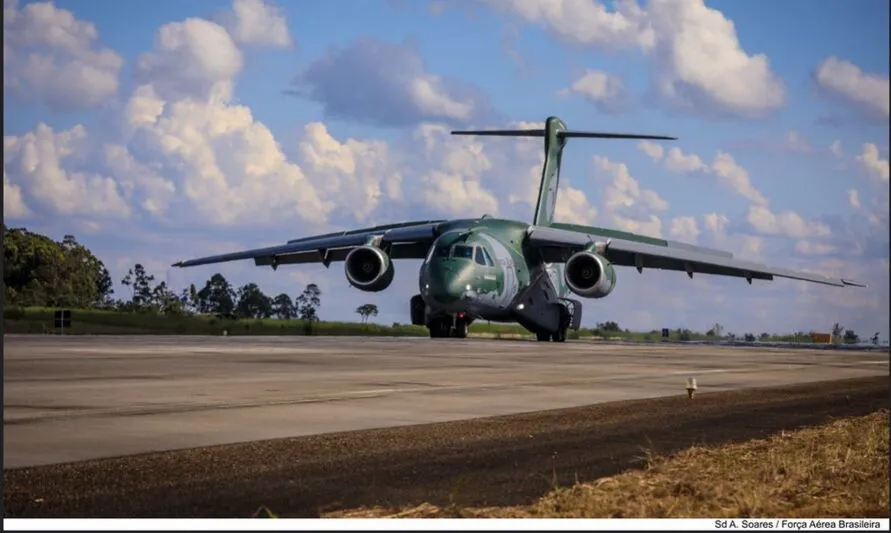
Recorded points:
560,336
460,330
438,329
543,337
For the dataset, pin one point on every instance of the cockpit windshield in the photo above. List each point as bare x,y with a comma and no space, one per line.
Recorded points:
441,251
462,252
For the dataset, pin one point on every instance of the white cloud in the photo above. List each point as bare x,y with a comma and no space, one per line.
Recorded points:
836,149
396,87
715,223
189,59
13,203
37,159
788,223
655,151
794,143
573,206
868,91
626,203
698,62
872,162
677,161
586,23
684,229
601,89
854,198
51,57
358,173
734,177
258,22
811,248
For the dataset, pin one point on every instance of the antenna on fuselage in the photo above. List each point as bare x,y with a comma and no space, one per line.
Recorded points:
555,135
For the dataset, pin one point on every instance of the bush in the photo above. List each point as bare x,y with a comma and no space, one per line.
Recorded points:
14,313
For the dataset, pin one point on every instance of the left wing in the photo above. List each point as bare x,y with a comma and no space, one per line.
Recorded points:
406,240
557,244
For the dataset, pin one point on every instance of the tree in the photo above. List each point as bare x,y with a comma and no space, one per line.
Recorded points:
38,271
140,283
283,307
875,338
764,337
217,296
189,299
366,310
851,337
716,331
252,303
609,326
837,331
308,303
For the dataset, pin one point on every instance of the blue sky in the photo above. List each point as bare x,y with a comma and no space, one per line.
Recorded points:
176,129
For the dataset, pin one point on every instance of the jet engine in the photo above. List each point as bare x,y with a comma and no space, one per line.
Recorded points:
368,268
589,275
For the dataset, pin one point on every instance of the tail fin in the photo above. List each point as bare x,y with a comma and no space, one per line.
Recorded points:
555,135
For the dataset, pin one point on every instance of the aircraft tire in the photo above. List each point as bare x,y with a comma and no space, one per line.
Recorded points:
543,337
460,330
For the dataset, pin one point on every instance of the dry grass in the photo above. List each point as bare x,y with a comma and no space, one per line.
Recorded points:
836,470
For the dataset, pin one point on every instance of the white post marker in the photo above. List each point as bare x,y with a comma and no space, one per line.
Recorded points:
691,387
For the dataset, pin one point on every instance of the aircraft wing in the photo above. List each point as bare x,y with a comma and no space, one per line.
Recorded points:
407,240
557,244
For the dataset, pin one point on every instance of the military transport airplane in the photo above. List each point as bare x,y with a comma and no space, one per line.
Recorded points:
507,270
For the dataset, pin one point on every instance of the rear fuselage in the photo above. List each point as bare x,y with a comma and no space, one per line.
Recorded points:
477,267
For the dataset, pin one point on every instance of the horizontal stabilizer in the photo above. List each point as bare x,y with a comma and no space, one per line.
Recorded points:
568,134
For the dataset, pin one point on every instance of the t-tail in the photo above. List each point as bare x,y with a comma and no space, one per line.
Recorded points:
555,136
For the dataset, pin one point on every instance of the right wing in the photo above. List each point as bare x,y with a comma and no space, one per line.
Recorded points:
406,240
559,241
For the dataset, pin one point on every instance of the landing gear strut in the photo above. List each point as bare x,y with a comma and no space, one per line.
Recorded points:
448,327
560,334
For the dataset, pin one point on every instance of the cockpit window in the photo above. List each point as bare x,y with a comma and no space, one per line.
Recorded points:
462,252
479,257
488,257
441,251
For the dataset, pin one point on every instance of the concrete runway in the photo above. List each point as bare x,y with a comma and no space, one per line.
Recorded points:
76,398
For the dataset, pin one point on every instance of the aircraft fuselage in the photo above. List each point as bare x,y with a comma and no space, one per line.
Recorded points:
477,269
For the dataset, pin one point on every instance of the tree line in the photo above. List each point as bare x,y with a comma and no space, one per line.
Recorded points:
41,272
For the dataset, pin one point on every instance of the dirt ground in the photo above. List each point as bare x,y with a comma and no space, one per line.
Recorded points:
500,461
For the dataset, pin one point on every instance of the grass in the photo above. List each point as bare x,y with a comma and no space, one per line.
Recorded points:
36,320
838,470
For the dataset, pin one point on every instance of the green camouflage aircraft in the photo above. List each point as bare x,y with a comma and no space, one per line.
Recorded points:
507,270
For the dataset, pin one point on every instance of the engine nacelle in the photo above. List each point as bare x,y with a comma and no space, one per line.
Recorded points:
368,268
589,275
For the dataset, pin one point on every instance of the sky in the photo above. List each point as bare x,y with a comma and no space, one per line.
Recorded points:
163,131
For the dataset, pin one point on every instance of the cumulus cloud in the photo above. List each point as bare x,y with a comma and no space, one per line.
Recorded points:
257,22
605,91
52,58
629,205
14,206
794,143
396,88
45,163
836,149
787,223
735,177
854,198
869,92
871,162
684,229
698,61
189,58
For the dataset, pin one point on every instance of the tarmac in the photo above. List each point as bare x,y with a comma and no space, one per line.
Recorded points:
70,399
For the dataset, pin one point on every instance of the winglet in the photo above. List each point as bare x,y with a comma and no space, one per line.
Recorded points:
852,283
177,264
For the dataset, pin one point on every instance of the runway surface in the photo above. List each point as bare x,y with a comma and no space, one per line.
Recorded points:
77,398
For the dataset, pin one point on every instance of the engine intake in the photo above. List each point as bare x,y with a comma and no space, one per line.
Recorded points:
368,268
589,275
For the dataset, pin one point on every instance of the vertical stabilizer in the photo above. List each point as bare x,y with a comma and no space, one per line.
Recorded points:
550,172
555,135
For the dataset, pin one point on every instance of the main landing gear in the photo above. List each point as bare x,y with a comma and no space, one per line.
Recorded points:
560,334
448,326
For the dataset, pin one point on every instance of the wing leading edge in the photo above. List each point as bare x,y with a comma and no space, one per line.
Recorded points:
557,244
408,240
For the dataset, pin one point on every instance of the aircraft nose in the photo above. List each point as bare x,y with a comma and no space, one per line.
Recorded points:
445,287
